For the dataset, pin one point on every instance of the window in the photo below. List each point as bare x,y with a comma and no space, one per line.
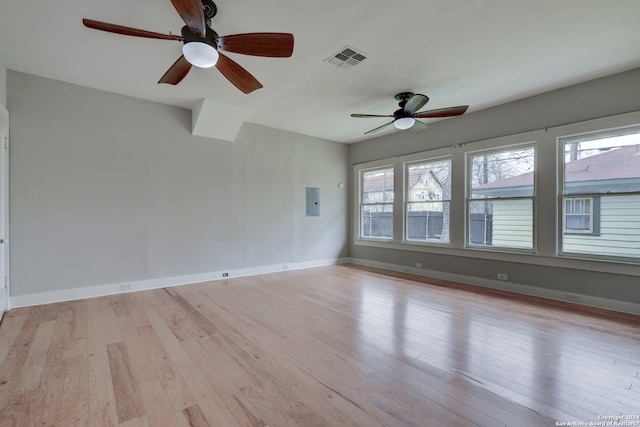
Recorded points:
571,191
601,194
376,203
500,198
428,200
581,215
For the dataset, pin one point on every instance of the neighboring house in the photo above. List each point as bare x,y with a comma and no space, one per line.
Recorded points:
597,216
378,188
424,186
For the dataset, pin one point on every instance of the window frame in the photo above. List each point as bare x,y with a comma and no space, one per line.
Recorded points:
469,199
597,133
362,203
594,214
406,202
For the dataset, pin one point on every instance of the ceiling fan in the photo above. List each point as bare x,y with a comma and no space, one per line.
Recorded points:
203,47
405,117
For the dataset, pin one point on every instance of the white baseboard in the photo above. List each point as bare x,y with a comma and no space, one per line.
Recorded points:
552,294
143,285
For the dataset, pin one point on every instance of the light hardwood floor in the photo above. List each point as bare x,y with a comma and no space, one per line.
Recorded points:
330,346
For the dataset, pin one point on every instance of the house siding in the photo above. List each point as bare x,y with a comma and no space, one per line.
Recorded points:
513,224
619,230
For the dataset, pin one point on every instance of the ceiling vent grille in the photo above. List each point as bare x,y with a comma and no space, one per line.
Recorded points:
346,58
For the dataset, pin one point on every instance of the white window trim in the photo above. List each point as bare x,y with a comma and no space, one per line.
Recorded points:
406,202
608,126
361,203
468,199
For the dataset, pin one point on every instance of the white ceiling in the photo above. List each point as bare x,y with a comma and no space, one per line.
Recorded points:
476,52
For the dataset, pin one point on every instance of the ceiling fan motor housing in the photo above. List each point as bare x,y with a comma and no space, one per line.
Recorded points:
400,113
190,36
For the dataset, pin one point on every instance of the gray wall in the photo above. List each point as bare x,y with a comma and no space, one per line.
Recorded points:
598,98
107,189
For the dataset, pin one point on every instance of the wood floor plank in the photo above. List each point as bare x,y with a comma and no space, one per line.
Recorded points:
174,317
96,342
79,320
140,421
12,324
53,389
74,407
174,386
11,367
22,410
164,332
157,406
329,346
127,396
135,311
140,363
102,403
209,402
195,416
34,364
226,386
111,328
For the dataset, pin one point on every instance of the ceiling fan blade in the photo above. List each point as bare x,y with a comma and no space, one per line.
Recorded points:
379,128
371,115
418,126
275,45
176,72
192,14
128,31
442,112
237,75
415,103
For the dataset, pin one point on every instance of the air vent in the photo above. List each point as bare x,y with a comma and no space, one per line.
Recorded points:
346,58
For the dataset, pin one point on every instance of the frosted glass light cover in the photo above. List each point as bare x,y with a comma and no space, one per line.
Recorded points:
200,54
404,123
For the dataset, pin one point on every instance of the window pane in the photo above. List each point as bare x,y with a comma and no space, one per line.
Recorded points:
428,195
501,223
429,181
618,234
377,204
578,214
504,174
377,186
597,222
377,221
602,165
428,222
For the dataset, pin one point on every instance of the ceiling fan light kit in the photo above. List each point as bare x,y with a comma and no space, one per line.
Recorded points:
405,117
203,47
404,123
200,54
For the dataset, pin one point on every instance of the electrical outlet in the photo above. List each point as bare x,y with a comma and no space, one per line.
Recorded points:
126,287
418,265
503,276
285,266
572,298
225,274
